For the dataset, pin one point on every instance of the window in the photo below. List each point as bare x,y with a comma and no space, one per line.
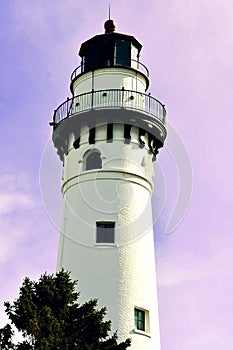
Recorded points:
123,48
142,321
93,160
106,52
91,57
105,232
139,316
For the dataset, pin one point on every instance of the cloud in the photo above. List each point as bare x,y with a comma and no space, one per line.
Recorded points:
15,201
15,204
14,194
26,235
195,291
171,274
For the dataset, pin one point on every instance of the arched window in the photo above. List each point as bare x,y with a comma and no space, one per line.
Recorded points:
93,160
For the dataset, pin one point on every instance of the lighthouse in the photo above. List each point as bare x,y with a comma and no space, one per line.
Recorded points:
107,135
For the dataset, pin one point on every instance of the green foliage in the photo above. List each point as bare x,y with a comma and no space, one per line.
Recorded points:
6,334
49,317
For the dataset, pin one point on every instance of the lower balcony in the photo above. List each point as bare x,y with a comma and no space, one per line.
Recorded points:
110,99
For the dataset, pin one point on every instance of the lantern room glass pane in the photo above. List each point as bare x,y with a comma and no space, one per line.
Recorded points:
122,53
106,53
134,57
91,58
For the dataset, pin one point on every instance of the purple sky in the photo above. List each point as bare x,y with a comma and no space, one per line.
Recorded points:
188,48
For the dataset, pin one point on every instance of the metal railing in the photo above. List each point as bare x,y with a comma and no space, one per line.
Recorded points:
107,99
118,62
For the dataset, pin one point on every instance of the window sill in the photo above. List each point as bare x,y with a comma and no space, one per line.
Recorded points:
100,245
146,334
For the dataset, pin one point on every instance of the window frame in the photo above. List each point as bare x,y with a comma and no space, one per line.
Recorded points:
139,319
98,226
89,153
145,329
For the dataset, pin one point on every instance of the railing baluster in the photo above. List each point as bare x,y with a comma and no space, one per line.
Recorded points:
67,106
149,101
92,93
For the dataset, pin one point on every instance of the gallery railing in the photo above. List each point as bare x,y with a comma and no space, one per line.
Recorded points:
118,62
107,99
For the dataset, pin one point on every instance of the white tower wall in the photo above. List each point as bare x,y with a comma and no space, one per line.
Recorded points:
111,78
120,193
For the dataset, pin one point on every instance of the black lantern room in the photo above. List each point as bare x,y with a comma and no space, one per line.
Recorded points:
110,50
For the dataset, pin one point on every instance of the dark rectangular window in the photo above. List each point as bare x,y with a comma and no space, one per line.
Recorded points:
91,57
139,319
123,52
106,52
105,232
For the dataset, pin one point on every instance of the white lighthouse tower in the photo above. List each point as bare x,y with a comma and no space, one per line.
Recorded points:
107,136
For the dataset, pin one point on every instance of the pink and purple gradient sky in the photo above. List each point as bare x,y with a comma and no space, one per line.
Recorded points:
188,48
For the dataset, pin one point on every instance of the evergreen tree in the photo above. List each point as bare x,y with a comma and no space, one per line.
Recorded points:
49,317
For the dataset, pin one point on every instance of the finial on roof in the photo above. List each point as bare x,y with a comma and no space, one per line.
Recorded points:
109,25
